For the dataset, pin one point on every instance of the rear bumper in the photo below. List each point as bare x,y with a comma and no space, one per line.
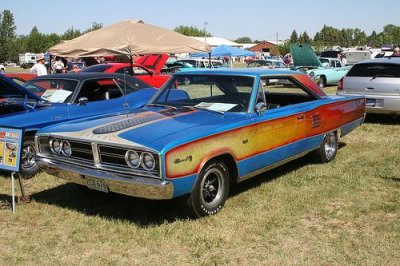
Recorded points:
388,104
136,186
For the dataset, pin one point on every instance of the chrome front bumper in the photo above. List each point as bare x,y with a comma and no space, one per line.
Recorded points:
128,185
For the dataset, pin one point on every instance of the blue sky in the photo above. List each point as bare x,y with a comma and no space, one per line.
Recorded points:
257,19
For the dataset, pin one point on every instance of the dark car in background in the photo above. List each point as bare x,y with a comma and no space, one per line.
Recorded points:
379,81
51,99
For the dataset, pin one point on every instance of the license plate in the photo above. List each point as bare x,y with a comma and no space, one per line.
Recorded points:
96,184
370,102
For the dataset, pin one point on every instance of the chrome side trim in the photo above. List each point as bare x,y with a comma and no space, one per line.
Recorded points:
126,184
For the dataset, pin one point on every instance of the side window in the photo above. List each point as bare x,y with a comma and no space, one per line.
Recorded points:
125,87
99,90
280,92
123,70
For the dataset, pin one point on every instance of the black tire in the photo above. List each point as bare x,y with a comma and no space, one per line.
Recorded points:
328,148
210,192
321,82
29,166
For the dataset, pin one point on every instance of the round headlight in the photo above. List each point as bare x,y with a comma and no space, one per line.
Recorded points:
311,74
55,146
132,158
66,148
147,161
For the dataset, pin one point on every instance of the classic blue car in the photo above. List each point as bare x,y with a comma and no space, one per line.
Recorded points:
323,71
219,126
52,99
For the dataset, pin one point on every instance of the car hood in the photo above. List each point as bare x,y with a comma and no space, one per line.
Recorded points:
304,55
32,119
154,62
14,90
149,128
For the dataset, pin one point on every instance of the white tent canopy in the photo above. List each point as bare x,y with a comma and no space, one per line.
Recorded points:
130,37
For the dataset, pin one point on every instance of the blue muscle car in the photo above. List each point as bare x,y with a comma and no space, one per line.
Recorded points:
203,130
52,99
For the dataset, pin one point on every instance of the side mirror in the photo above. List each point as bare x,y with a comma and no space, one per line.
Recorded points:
261,107
82,101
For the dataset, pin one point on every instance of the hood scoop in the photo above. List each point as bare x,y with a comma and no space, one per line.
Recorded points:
131,122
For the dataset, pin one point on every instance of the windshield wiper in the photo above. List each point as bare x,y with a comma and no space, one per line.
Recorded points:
382,75
203,108
162,105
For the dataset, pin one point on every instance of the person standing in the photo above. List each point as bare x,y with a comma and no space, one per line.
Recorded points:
58,65
39,68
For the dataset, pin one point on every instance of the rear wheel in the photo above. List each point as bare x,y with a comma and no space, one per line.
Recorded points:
210,192
328,148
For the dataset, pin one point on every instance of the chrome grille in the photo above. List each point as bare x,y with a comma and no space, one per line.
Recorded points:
81,150
99,156
115,157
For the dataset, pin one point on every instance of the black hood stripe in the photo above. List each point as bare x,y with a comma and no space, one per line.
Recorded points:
134,121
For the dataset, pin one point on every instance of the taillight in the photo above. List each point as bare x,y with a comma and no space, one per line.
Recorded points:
340,85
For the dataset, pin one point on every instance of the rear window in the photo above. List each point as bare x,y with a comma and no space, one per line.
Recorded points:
97,68
373,70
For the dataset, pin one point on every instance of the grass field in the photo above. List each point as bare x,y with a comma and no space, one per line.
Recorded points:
344,212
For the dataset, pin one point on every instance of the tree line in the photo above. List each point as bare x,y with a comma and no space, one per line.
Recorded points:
11,44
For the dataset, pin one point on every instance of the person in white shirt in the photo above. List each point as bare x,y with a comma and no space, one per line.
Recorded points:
39,68
58,65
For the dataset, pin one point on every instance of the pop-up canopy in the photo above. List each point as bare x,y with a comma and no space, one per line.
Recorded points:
226,50
130,37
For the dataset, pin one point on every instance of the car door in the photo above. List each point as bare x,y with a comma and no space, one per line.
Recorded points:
281,126
339,71
98,96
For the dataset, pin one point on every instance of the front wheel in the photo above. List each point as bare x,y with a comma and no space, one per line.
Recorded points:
29,166
211,190
328,148
321,82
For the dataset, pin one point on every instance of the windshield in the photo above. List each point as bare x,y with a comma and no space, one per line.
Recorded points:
7,90
210,92
53,90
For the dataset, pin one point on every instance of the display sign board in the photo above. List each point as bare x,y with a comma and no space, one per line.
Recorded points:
10,148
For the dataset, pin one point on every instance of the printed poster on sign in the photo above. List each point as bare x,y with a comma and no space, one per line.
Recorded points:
10,148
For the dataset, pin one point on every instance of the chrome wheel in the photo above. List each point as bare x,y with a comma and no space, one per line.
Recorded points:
210,191
213,180
330,145
328,148
28,156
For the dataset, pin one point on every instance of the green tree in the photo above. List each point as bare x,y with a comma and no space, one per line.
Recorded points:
71,33
304,38
294,38
191,31
95,26
7,34
243,40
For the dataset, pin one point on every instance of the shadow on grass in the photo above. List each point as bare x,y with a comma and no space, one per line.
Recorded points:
381,119
112,206
147,212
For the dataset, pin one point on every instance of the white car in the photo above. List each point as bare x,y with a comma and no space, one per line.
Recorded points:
379,81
